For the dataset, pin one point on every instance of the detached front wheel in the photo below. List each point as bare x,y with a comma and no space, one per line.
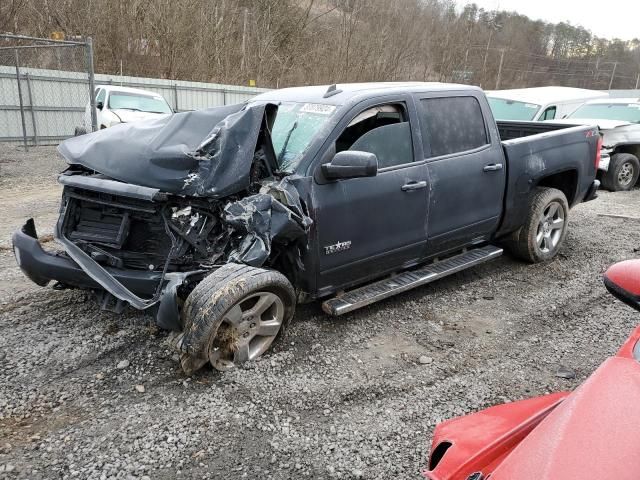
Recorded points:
234,315
545,228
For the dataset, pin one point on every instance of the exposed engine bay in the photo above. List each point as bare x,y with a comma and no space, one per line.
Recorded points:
211,209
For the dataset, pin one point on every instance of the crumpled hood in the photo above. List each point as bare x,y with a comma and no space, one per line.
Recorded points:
622,135
614,132
135,116
206,153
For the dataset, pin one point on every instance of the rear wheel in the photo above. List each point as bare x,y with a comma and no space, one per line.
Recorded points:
234,315
623,172
545,227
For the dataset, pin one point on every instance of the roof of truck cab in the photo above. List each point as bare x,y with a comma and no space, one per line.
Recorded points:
544,95
351,91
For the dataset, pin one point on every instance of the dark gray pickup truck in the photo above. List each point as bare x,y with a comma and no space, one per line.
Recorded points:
219,221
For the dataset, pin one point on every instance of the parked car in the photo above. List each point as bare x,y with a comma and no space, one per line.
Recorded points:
591,432
115,105
619,122
539,103
219,221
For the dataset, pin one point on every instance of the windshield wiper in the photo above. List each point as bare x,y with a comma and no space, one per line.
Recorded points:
286,141
128,108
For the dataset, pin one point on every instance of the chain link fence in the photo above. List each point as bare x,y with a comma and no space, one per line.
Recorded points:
35,109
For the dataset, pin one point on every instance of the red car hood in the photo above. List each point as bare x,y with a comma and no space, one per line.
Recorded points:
480,442
592,433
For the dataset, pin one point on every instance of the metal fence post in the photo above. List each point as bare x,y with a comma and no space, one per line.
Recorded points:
175,97
24,126
92,87
32,107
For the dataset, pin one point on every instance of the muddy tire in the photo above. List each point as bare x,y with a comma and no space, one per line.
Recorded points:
545,227
234,315
623,172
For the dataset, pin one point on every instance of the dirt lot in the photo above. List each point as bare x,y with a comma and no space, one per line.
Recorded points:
339,398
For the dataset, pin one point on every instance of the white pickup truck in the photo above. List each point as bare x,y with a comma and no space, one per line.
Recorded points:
619,123
116,105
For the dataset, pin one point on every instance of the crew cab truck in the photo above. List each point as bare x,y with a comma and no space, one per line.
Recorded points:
218,222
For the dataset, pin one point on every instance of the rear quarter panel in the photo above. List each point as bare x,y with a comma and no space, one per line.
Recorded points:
533,158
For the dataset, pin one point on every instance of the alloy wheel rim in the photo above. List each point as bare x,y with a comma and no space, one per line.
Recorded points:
625,175
247,330
550,227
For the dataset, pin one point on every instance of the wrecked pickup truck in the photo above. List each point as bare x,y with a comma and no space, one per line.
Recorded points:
220,221
619,123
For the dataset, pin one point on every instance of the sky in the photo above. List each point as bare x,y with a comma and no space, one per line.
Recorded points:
607,19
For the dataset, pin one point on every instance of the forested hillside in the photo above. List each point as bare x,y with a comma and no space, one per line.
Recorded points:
294,42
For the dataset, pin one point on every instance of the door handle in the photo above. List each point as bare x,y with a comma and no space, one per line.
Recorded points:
407,187
492,167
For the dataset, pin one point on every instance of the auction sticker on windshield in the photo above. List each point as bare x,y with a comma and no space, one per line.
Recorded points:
318,108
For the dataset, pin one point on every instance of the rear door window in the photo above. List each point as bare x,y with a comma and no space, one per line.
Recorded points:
452,125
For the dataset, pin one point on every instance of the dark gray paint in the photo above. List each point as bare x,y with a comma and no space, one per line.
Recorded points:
404,215
206,153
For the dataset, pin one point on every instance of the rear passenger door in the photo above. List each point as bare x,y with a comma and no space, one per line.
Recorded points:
466,168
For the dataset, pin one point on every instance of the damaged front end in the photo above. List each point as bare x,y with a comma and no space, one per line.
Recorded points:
141,223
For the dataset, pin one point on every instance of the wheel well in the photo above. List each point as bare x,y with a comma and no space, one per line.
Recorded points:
632,149
566,182
438,453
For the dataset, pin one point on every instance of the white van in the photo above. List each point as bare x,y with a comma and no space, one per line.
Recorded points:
539,103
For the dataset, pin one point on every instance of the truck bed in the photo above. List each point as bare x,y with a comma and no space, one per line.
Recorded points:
534,150
509,130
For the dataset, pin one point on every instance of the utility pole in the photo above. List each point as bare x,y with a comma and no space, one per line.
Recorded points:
244,40
595,73
613,74
466,59
486,52
637,81
500,69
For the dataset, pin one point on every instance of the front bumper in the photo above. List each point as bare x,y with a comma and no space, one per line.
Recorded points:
42,267
592,193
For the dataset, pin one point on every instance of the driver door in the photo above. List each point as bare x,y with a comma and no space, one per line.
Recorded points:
372,225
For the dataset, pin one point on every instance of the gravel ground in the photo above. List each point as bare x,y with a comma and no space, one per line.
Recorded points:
89,394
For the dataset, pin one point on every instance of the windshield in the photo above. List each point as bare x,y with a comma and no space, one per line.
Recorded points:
295,126
511,110
141,103
626,112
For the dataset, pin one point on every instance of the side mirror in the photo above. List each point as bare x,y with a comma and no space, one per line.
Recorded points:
351,164
623,281
99,105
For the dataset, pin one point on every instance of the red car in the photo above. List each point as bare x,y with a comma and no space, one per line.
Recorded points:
590,433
